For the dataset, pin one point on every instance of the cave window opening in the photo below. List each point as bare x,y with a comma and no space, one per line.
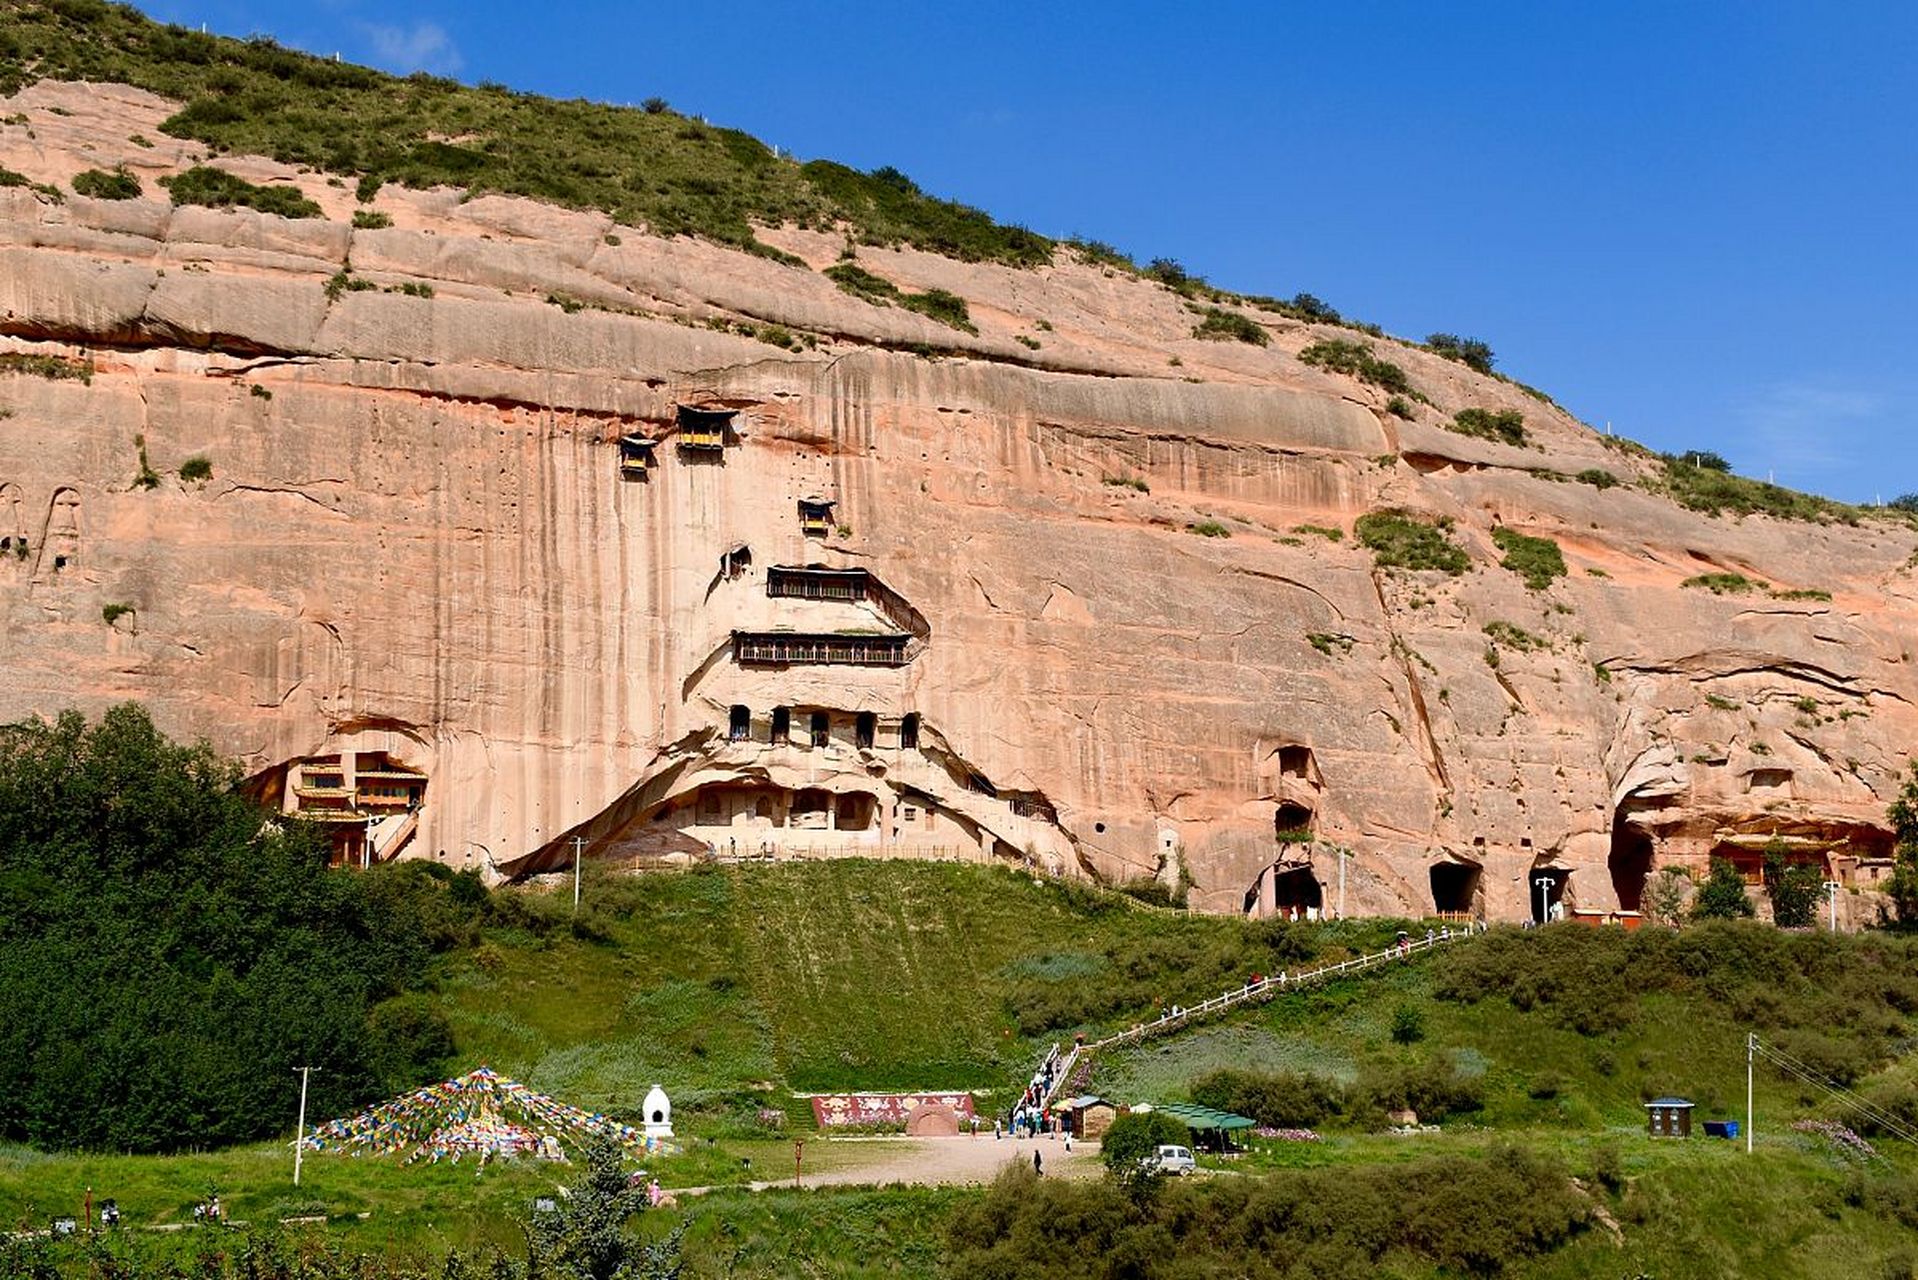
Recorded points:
1295,762
815,517
909,732
821,729
782,724
1292,823
863,730
1455,889
739,725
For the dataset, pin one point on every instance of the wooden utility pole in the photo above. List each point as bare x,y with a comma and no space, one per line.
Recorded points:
579,846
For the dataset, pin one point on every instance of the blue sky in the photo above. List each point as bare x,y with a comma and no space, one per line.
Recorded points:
1694,221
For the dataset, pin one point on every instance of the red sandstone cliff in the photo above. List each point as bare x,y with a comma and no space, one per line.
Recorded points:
417,540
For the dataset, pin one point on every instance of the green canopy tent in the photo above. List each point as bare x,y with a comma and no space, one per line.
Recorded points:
1209,1127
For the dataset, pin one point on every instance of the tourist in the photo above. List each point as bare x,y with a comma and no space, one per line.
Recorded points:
995,1129
1037,1172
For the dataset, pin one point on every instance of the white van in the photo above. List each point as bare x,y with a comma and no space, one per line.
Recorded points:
1172,1159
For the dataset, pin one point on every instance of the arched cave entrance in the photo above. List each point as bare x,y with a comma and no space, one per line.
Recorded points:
1296,893
1630,862
1546,889
909,732
1455,888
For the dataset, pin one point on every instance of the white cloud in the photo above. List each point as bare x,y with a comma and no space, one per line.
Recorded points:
423,46
1806,427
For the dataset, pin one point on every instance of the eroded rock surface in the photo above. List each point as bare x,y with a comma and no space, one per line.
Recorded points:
422,537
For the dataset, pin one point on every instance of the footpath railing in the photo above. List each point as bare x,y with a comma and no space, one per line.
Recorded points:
1265,988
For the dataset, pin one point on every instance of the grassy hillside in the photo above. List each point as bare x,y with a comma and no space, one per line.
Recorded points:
842,975
734,987
647,166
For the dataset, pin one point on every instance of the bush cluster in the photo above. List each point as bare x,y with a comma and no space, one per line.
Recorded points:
1457,1215
1433,1088
1221,325
1537,560
936,304
1400,541
1506,426
1842,998
102,184
1470,352
1704,482
206,185
1337,355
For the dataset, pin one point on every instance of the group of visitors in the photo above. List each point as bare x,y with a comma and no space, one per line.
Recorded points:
1028,1116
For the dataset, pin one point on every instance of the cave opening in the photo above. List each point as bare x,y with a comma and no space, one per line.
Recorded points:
1455,887
864,728
782,724
821,729
1292,823
1297,894
1630,863
739,724
1546,890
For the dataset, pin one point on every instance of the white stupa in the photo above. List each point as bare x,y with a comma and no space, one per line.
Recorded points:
659,1113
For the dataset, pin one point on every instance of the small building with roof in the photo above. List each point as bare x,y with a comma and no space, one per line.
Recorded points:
1211,1129
1669,1117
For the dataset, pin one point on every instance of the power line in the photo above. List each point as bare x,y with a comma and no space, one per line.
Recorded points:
1839,1093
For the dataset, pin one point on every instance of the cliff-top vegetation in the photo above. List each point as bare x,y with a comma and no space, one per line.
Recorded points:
645,166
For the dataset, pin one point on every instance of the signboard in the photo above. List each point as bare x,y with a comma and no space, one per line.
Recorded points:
833,1110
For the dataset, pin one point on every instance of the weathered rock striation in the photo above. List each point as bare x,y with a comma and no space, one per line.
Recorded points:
424,545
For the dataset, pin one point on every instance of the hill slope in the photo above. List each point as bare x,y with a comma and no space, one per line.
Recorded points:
1156,581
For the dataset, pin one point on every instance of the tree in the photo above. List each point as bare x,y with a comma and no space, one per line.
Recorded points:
1793,890
584,1237
1128,1146
1905,502
1470,352
1903,885
1667,895
167,957
1723,895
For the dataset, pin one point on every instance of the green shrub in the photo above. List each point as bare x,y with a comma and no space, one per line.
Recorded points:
1507,426
1399,407
8,178
1514,637
1537,560
1722,584
1408,1025
1803,593
1127,482
259,392
1323,531
1597,478
1355,359
1400,541
1434,1089
1209,529
1328,644
52,368
1221,325
1722,896
204,185
198,467
100,184
937,304
112,613
1282,1100
371,220
1467,351
1713,490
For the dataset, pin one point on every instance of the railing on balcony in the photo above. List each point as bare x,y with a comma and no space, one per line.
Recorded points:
783,648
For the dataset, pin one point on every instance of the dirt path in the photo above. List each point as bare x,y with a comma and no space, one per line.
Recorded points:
937,1162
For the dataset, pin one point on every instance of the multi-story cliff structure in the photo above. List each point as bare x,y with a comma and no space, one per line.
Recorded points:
521,529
